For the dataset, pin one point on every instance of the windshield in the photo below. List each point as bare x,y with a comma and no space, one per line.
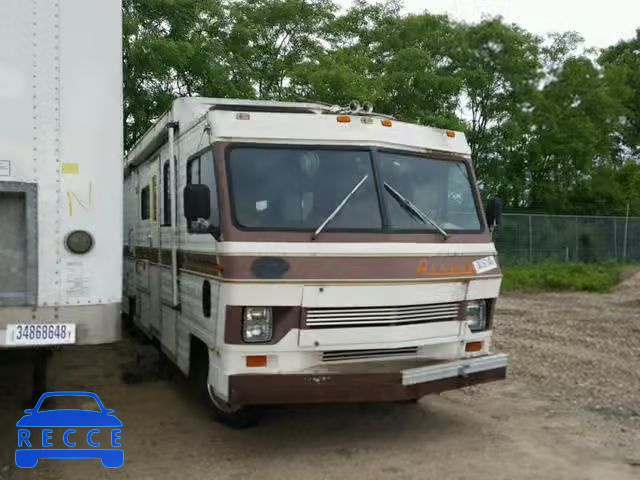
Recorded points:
297,189
441,189
286,188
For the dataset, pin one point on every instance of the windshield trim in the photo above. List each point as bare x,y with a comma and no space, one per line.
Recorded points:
374,151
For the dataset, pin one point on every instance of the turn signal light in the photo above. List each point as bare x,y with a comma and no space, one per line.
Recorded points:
344,119
386,123
451,134
256,361
473,347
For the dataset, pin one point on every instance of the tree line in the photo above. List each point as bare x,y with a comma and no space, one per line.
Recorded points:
553,125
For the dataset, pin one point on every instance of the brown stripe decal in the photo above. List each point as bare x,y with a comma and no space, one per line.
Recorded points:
323,268
336,268
252,389
197,262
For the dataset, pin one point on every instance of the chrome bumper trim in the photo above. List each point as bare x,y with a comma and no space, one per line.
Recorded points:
457,368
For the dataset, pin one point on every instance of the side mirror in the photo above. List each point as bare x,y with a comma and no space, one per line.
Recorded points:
494,212
197,202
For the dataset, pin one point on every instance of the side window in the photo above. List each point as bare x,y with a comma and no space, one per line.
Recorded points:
208,177
166,194
154,199
144,203
193,171
201,171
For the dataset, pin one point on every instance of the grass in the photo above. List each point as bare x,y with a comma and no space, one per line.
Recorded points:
589,277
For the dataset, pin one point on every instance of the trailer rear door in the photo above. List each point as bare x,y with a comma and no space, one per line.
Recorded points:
18,268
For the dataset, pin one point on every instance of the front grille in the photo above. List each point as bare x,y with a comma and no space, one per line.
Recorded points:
341,355
381,316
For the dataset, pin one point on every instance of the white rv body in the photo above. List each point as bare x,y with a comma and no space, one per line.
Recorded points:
61,145
182,287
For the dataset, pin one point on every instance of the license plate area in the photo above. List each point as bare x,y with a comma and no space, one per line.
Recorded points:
18,334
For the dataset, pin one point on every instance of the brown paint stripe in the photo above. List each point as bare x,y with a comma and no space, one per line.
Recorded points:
324,268
341,388
340,268
197,262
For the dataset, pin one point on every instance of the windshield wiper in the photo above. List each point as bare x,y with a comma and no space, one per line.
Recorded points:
337,210
412,209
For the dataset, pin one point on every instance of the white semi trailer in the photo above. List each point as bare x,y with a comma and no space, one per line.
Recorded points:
60,172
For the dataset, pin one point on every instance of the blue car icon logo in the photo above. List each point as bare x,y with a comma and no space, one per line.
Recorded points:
71,433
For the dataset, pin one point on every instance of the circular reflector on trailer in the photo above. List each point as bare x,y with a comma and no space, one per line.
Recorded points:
79,242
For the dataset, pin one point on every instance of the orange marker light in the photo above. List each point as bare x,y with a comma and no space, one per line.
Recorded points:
473,347
386,123
344,119
451,134
256,361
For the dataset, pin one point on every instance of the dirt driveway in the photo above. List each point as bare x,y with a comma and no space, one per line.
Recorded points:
570,410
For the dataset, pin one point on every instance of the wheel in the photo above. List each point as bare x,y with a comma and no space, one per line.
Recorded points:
234,417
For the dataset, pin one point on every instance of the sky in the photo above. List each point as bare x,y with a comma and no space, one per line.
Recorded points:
601,23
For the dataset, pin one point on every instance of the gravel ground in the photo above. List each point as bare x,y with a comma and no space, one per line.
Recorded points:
569,410
579,349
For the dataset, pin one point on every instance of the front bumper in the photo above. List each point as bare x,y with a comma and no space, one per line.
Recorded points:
344,387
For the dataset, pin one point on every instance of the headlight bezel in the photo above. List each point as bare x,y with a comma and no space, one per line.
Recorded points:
257,318
476,315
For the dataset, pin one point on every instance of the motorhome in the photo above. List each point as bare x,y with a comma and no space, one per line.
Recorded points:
303,253
60,172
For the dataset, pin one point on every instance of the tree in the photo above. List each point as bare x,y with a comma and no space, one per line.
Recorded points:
400,64
608,191
173,48
499,67
549,127
623,61
574,121
269,38
419,78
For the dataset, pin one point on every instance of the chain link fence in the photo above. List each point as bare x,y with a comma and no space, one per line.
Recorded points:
524,238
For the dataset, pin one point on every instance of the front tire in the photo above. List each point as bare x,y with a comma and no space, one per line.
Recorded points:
234,417
231,416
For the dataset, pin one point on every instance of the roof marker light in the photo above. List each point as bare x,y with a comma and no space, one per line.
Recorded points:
243,116
386,122
344,119
451,134
367,120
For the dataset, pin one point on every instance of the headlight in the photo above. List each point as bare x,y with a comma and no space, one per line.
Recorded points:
476,316
79,242
257,325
